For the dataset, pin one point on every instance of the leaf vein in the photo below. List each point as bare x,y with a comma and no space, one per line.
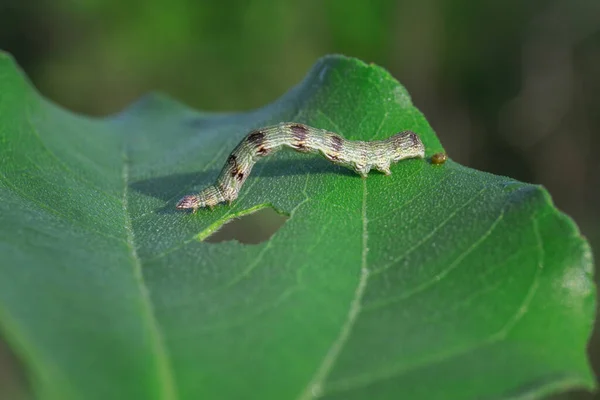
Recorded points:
442,274
430,234
165,378
363,380
314,388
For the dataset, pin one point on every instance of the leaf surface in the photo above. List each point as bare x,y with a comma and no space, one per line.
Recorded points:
438,281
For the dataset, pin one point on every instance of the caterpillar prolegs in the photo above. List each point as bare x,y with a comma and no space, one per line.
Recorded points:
357,155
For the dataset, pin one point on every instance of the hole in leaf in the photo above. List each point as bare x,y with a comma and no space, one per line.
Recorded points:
253,228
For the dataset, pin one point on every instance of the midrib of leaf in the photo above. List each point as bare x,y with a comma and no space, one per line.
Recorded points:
314,388
165,378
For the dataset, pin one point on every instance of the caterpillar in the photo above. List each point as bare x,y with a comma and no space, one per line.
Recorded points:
357,155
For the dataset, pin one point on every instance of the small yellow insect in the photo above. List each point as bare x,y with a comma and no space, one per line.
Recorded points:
439,158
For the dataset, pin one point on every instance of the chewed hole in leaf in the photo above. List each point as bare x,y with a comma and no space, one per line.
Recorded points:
252,228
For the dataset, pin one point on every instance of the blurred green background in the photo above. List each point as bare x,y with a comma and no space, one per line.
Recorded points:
510,87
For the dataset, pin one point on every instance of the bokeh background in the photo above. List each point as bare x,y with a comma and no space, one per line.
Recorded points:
511,87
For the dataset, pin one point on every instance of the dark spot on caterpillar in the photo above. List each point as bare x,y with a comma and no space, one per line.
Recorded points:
256,138
232,160
413,138
240,176
300,146
234,172
299,131
262,151
439,158
299,134
337,143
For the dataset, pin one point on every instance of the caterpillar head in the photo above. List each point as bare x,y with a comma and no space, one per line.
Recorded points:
191,201
406,144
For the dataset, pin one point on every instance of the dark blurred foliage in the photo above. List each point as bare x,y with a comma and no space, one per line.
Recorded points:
510,86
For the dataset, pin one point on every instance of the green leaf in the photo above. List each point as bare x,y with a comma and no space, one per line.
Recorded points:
438,281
